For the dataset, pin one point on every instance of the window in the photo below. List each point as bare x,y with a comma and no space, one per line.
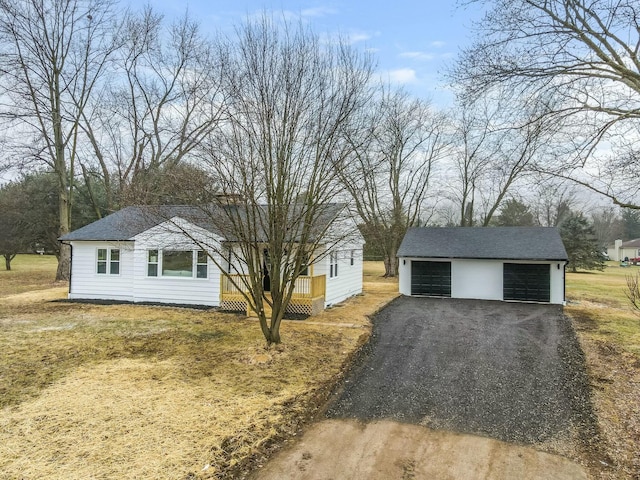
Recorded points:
114,264
333,264
152,263
304,267
201,264
353,255
177,263
102,260
108,257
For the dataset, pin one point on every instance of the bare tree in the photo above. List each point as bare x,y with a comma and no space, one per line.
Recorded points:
389,173
290,100
161,103
498,141
53,55
583,54
607,226
554,201
474,147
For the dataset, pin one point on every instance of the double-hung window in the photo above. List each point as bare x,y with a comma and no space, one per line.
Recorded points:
201,264
333,264
152,263
108,261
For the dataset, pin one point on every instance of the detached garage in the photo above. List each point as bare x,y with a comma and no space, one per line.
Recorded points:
525,264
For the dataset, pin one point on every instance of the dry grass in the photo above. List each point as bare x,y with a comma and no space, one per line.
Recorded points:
609,332
125,391
28,273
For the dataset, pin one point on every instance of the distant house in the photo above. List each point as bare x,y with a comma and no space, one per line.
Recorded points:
621,250
489,263
154,254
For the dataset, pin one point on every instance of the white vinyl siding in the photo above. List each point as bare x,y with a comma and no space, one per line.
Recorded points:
139,266
178,290
348,282
189,289
87,283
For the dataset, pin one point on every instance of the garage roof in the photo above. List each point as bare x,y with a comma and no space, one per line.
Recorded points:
498,243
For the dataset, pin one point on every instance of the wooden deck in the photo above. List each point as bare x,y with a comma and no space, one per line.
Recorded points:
307,298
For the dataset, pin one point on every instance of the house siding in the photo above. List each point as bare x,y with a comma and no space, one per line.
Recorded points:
483,279
133,283
348,282
188,291
86,283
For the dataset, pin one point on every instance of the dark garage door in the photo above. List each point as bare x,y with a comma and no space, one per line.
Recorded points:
527,282
431,278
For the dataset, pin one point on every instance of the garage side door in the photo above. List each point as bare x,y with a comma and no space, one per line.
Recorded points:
527,282
431,278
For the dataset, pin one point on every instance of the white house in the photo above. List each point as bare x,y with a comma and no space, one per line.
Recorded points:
488,263
621,250
154,254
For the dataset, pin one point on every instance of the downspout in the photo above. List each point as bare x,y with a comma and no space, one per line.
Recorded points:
564,284
70,265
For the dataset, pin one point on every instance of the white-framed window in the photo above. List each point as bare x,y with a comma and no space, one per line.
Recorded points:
353,257
177,263
333,264
202,262
153,258
304,265
108,261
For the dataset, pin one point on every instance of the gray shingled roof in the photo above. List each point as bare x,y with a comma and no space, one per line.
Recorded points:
508,243
131,221
635,243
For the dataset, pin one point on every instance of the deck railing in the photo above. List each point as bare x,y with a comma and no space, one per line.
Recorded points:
305,287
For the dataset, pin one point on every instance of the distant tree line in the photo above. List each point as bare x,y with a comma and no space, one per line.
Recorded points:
115,107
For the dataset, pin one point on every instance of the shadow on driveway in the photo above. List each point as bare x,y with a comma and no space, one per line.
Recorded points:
511,371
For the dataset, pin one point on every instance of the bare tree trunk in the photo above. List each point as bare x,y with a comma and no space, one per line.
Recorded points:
7,261
64,256
391,264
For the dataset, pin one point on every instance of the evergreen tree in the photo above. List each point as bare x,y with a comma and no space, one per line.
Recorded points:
514,213
581,243
630,223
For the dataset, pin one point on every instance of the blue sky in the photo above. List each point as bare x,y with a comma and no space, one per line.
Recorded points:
413,41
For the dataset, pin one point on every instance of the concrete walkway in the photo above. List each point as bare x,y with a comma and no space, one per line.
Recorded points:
349,449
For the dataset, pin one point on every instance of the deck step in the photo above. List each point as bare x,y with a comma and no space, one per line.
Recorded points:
267,309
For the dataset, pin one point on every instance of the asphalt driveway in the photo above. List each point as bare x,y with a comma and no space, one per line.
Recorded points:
509,371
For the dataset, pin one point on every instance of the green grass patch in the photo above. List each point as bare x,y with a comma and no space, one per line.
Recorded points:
598,304
28,273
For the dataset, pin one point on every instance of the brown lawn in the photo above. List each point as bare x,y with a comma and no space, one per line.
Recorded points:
127,391
609,332
124,391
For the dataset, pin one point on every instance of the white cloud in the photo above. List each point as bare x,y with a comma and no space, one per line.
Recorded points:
355,37
317,12
418,55
403,75
438,44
